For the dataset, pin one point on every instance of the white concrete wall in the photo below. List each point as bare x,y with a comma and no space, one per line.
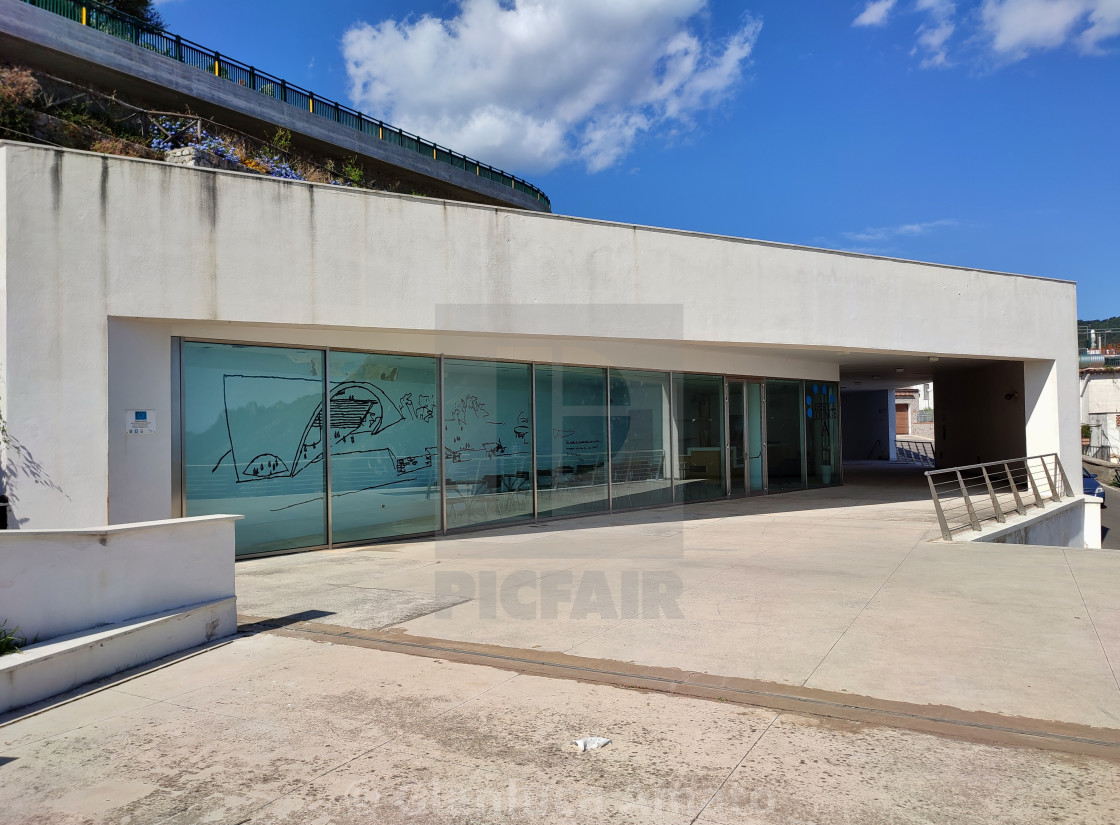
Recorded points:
57,582
1073,523
249,258
1100,403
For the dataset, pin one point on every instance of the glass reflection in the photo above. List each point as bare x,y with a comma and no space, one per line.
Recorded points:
487,442
754,437
384,446
784,435
253,442
640,440
571,422
822,433
699,410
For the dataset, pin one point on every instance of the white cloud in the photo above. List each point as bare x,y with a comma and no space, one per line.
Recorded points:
1007,30
529,84
934,33
1018,27
875,14
874,234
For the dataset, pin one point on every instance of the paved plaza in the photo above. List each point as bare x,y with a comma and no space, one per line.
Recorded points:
814,657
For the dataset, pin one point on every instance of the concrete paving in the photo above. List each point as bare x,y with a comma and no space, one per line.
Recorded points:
840,590
837,601
269,729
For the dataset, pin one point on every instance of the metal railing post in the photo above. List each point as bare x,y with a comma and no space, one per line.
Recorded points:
968,503
1034,487
946,533
1049,480
995,501
1065,479
1019,508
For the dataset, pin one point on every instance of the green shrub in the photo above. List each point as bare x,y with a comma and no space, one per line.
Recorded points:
11,640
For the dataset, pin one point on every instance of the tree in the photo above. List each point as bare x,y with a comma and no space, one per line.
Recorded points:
143,9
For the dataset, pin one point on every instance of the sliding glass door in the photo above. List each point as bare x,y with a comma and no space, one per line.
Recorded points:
785,435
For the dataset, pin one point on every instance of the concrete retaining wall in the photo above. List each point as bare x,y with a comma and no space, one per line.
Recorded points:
1072,523
59,582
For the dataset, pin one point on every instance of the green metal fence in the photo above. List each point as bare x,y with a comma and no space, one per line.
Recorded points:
113,22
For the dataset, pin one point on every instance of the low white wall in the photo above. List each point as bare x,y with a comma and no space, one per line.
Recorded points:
1072,523
58,582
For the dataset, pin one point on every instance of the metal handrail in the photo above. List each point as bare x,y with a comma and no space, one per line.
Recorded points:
139,33
914,452
973,494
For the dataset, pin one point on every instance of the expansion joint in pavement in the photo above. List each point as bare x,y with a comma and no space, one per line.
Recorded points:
975,726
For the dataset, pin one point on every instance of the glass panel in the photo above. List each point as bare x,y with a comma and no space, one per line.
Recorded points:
640,441
737,437
488,442
822,432
571,440
784,422
699,411
253,442
384,446
754,436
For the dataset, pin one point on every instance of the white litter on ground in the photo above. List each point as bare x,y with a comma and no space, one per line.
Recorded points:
590,743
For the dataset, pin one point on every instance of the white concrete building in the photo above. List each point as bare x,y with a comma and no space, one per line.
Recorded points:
1100,409
344,366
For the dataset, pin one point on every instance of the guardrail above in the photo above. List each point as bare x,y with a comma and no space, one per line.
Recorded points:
175,47
968,497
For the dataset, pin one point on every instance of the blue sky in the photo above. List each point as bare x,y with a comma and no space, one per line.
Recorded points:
982,133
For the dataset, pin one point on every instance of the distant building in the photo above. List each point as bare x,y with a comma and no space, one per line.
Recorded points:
1100,409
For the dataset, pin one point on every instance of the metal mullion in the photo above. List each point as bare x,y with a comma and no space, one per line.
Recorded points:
442,450
673,441
727,439
533,434
326,351
804,438
763,452
610,448
178,458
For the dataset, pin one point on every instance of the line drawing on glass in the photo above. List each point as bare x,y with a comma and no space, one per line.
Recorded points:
263,420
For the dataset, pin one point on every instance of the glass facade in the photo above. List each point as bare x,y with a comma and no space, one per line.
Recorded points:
571,438
317,447
755,442
785,424
737,446
488,442
384,441
253,442
698,402
822,433
641,444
